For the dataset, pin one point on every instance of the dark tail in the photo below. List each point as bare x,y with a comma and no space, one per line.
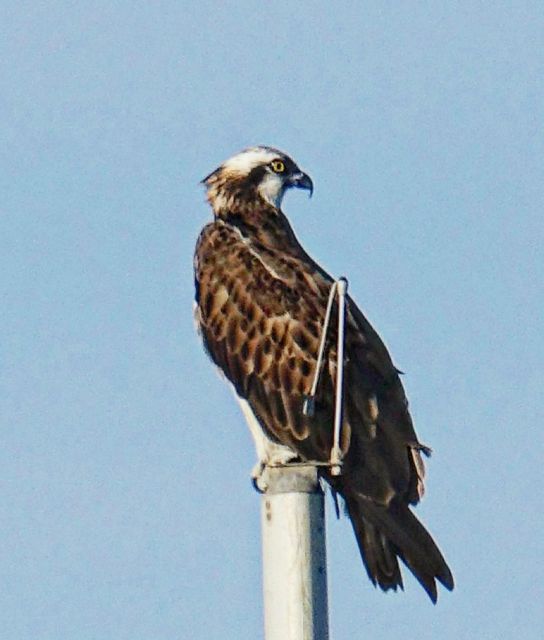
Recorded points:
385,534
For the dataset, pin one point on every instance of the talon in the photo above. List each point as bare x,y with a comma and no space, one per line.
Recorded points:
257,480
259,485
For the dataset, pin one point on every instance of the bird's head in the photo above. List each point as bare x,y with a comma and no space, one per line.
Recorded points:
258,172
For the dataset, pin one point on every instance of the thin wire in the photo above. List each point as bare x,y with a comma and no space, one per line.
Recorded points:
308,406
304,463
336,451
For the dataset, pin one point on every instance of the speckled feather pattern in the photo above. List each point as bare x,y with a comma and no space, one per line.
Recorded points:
260,307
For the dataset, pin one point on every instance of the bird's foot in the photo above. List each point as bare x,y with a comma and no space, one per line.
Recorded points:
258,477
281,457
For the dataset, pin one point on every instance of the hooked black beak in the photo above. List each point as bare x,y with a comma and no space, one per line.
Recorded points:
302,181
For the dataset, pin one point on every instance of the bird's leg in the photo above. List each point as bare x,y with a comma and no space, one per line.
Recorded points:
269,453
275,455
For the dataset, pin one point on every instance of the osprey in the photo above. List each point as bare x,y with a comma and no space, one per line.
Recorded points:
260,307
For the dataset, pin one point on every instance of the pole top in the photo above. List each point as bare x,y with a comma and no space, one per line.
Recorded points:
299,478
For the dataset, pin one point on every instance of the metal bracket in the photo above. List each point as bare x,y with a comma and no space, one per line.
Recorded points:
338,288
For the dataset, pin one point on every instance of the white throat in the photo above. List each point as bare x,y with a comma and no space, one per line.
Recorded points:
272,189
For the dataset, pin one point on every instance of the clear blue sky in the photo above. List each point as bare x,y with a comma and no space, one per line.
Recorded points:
126,509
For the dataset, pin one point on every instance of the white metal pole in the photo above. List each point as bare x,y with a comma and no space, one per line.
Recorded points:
294,555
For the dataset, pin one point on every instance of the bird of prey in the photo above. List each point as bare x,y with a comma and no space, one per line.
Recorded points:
260,307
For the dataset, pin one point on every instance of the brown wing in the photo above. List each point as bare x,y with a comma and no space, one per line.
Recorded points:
261,320
263,333
260,313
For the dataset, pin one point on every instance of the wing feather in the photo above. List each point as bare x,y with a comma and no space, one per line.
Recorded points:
264,328
260,314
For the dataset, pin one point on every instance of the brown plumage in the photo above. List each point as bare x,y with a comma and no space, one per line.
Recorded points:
260,307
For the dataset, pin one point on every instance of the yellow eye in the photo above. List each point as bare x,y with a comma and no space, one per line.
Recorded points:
277,166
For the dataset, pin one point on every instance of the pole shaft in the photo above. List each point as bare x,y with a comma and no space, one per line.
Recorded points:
294,556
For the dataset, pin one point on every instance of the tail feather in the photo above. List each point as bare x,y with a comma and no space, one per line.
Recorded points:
385,534
378,556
